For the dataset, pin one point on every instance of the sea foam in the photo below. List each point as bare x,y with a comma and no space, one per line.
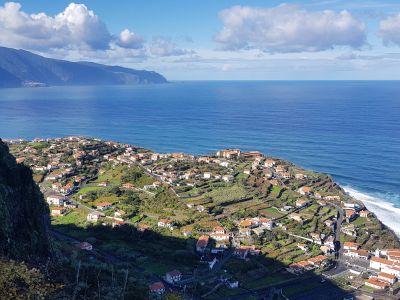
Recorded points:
386,211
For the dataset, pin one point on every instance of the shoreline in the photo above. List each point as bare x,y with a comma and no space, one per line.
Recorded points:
386,212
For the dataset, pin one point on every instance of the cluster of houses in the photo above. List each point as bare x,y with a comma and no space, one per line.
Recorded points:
256,225
300,267
387,265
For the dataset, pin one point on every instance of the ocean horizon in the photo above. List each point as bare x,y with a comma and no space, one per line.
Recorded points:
348,129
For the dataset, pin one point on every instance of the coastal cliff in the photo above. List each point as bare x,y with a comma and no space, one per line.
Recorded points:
24,215
20,68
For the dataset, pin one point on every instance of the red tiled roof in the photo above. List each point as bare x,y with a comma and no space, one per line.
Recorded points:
156,286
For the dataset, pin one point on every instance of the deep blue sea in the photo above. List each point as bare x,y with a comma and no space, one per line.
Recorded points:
350,130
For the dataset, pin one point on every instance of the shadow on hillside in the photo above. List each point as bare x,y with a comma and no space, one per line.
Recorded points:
149,255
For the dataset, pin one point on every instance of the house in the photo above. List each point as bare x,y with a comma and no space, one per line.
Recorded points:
119,213
173,276
330,242
55,200
224,163
128,186
303,247
200,208
361,254
102,184
349,230
365,213
350,246
269,163
117,223
332,198
85,246
267,223
318,261
219,236
300,176
316,237
142,227
103,205
376,283
207,175
68,188
379,263
389,278
305,190
393,254
330,223
301,203
202,243
227,178
280,169
219,230
165,224
58,211
229,153
318,196
351,215
93,217
296,216
326,250
246,171
157,288
246,223
350,205
299,267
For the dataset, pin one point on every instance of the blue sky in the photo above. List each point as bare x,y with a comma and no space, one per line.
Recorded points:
197,40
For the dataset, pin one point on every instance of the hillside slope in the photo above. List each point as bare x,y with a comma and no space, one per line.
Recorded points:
24,215
23,68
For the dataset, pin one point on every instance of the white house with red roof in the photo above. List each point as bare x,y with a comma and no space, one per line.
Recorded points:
157,288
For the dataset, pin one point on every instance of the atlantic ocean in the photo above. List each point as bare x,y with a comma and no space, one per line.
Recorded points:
349,129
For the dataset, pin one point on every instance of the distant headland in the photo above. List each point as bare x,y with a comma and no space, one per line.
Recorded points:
20,68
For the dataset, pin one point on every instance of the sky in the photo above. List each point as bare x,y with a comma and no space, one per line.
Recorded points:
215,39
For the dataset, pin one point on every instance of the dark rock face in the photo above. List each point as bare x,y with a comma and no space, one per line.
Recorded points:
23,68
24,215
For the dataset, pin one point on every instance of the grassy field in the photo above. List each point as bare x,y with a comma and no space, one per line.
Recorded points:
228,193
271,212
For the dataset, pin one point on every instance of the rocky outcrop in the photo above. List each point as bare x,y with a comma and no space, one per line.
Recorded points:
24,215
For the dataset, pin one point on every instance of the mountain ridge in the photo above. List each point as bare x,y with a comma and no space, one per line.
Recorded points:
21,68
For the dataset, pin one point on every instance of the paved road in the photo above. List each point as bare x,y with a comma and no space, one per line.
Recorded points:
340,266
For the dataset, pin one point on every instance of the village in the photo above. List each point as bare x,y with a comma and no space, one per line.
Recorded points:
231,224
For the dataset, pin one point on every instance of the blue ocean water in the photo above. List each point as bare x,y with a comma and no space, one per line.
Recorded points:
349,129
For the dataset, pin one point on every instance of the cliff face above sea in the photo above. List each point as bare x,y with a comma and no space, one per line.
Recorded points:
24,215
20,68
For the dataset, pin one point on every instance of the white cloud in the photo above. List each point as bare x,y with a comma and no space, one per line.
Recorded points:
389,29
288,28
129,39
166,47
77,33
75,27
